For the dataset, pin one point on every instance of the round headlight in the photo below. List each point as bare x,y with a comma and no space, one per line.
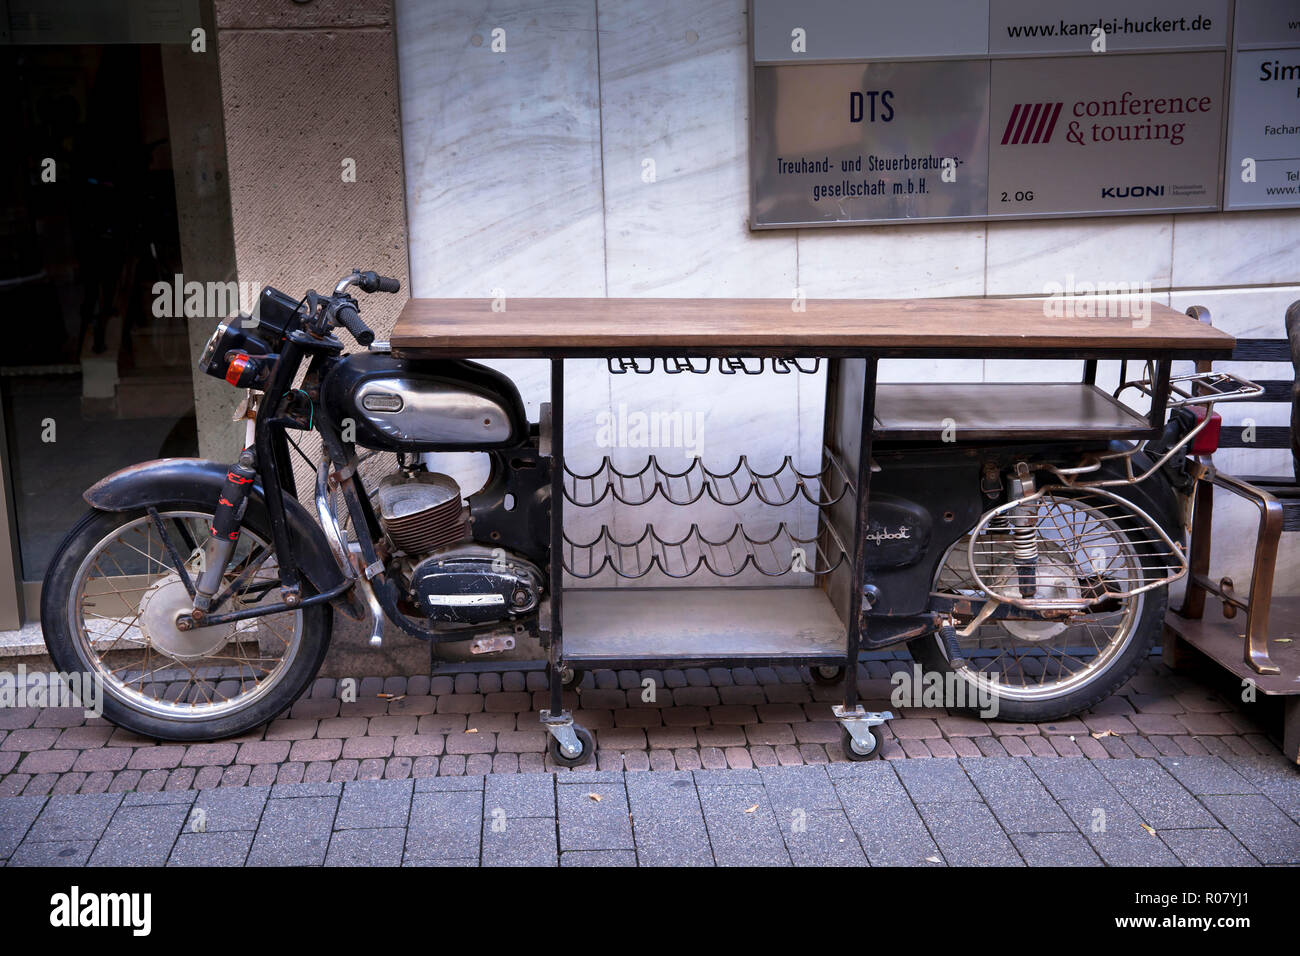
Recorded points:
210,350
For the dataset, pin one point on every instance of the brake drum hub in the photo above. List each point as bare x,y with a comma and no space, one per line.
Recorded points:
165,602
1056,581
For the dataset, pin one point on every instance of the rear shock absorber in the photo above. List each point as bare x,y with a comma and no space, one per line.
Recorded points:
1024,531
223,535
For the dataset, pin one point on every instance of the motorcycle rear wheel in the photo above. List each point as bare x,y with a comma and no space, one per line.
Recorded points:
109,598
1039,671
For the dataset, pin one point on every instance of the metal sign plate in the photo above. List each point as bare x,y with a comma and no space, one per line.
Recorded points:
857,104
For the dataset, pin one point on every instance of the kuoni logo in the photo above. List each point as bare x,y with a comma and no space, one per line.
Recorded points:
1031,123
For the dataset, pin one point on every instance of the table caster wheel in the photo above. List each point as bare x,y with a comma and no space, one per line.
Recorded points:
583,756
570,676
855,751
827,674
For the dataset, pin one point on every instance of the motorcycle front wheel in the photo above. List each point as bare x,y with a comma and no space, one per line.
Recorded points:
1036,670
108,609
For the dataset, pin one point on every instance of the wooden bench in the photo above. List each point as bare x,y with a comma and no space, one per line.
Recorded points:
1265,647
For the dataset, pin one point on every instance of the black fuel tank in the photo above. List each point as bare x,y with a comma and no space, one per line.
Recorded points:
415,405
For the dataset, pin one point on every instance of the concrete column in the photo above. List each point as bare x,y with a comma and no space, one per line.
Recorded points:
314,148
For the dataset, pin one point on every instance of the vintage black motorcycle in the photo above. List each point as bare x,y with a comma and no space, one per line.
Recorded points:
203,594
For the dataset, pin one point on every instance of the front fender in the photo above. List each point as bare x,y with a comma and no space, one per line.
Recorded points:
197,482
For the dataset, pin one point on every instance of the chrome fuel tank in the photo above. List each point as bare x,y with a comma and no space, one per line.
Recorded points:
414,405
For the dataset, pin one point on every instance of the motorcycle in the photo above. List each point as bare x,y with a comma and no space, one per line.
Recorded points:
203,595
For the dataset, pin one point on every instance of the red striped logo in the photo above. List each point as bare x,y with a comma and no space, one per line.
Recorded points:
1031,123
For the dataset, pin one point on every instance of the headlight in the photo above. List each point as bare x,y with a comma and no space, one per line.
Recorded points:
210,350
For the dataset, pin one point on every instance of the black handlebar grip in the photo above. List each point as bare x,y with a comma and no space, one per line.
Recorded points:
373,282
350,319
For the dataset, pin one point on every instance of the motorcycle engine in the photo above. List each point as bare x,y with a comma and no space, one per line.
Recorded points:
452,579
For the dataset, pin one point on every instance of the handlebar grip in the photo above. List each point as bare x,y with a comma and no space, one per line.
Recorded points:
373,282
350,319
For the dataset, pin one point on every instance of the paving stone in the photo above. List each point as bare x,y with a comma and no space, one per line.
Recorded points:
263,751
668,820
1161,801
589,824
74,817
1275,776
16,816
445,783
520,796
822,838
1055,849
84,737
53,853
294,832
1206,724
308,789
1207,774
968,834
1016,797
140,836
1207,848
1262,828
310,750
742,826
211,849
380,846
228,809
891,831
518,841
933,781
445,825
374,804
598,858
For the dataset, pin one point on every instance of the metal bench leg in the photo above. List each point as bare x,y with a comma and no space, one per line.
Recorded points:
1199,559
1261,577
1291,729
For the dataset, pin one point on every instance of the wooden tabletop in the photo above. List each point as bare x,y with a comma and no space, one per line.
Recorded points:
551,327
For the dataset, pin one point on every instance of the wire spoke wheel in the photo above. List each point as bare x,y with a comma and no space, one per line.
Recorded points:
1048,668
125,599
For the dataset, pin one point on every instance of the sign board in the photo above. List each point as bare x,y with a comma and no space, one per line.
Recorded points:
937,110
1262,170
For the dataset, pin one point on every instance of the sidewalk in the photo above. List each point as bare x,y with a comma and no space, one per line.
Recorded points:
487,723
1205,810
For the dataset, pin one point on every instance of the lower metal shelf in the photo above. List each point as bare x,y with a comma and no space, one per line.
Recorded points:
647,626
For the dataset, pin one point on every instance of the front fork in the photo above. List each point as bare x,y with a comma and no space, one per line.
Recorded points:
223,534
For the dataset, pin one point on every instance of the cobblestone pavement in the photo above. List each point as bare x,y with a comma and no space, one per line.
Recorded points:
475,724
1203,810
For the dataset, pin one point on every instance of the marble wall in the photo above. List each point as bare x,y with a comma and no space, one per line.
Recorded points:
527,172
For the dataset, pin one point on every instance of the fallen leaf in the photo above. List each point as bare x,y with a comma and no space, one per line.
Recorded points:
471,730
752,809
1104,733
595,796
1147,828
933,859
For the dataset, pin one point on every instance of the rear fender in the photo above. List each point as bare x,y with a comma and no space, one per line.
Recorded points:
197,483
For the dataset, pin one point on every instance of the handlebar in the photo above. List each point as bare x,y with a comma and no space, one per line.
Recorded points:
345,312
350,319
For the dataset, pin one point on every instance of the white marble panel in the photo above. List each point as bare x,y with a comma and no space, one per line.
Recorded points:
895,261
502,150
1236,249
674,93
1023,257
